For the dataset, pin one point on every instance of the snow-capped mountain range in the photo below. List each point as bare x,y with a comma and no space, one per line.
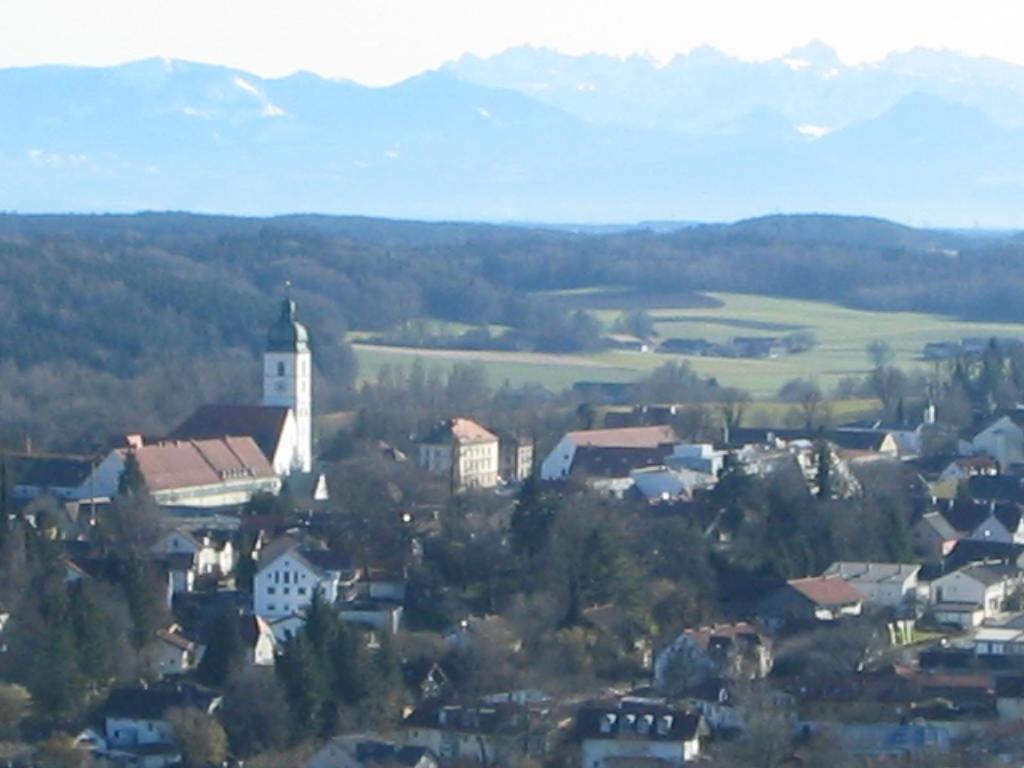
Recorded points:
529,134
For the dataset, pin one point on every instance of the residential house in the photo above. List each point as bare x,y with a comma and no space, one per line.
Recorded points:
626,341
463,451
610,471
559,462
933,537
731,651
878,443
821,598
366,751
172,653
288,575
65,477
135,723
258,640
697,457
984,585
486,734
884,741
212,551
888,585
225,472
638,731
662,484
1002,439
515,457
962,469
999,642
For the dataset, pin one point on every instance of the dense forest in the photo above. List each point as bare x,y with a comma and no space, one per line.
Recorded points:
118,322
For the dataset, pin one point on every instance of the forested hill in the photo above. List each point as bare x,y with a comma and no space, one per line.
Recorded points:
129,320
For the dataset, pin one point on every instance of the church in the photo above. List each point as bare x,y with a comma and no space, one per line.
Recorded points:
282,424
222,455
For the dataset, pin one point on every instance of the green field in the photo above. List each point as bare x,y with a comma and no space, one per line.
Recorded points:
842,336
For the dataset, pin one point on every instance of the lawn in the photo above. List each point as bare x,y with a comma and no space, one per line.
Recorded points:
842,336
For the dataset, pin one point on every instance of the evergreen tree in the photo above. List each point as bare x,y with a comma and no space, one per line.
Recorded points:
305,686
225,650
94,649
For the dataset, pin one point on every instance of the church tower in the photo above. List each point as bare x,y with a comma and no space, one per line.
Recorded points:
288,379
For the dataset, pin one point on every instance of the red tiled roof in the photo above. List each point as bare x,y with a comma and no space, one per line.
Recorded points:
626,437
197,463
824,590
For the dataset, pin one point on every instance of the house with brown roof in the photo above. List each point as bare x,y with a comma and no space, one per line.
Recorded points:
224,472
463,451
643,443
818,598
171,653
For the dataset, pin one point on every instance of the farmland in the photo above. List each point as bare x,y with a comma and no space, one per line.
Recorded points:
842,336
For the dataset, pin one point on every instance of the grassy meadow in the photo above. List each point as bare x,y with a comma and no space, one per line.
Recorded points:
842,335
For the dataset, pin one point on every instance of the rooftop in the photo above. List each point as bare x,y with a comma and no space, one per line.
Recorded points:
464,431
626,437
872,573
178,464
827,590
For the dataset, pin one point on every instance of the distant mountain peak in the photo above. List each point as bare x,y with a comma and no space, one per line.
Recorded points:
814,55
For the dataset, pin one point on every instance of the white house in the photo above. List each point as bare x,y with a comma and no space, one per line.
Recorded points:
558,463
882,584
212,551
638,731
462,450
288,575
135,720
983,585
171,653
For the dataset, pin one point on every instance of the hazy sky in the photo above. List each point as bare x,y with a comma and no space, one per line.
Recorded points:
380,41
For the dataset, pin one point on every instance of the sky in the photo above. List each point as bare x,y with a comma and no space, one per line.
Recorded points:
382,41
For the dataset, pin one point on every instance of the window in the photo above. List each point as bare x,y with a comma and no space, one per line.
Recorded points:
287,591
280,369
271,591
271,607
287,577
302,590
